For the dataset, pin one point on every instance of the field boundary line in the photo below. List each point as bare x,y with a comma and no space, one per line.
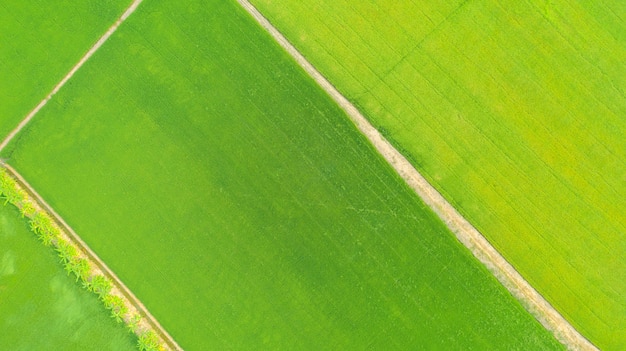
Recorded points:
76,240
464,231
129,11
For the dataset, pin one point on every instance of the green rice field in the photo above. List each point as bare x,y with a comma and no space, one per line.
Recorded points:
41,308
243,208
514,112
40,41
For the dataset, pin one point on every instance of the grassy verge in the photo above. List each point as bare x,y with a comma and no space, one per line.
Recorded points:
76,262
512,112
41,308
243,208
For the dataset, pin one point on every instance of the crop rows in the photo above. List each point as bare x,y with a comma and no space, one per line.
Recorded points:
512,112
239,203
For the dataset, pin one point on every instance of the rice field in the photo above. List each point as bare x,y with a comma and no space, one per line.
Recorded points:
41,308
515,113
40,41
243,208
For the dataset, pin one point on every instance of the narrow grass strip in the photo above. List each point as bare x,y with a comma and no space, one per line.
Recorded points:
129,11
78,260
465,232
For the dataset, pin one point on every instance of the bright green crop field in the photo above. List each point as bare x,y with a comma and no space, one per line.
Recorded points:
40,41
41,308
514,112
243,208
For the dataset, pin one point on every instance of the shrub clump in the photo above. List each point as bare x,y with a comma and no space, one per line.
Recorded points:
44,227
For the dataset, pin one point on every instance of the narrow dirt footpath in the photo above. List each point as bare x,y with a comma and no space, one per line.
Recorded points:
98,266
464,231
129,11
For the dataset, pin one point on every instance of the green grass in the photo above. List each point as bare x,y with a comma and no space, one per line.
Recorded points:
242,207
515,113
40,41
41,308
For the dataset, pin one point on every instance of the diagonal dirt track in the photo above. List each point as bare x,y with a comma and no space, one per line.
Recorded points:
131,300
465,232
129,11
98,265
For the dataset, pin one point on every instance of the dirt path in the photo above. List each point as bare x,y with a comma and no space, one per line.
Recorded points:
98,266
129,11
464,231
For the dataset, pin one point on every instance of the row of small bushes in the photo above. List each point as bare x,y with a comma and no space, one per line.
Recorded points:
75,262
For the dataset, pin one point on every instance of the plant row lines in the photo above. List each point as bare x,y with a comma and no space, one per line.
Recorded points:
77,263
